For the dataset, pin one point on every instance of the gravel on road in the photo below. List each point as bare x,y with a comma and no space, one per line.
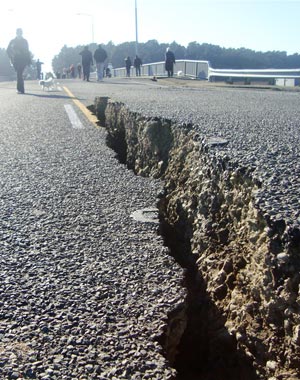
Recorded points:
85,289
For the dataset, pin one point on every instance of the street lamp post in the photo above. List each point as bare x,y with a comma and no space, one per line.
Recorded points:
92,18
136,30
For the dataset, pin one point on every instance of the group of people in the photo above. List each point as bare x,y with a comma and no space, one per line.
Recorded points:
100,57
88,58
137,63
69,72
19,54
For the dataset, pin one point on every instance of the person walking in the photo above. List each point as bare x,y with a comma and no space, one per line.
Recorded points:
19,54
72,71
39,69
169,62
64,73
137,63
79,70
87,61
100,57
128,66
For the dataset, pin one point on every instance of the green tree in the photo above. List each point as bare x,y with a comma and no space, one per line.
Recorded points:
121,52
153,51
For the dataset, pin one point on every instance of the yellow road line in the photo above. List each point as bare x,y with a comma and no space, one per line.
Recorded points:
90,116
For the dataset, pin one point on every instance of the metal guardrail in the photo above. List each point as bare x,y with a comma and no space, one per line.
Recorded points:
255,73
203,70
189,68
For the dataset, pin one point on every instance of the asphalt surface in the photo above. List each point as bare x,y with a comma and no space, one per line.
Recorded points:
261,126
85,288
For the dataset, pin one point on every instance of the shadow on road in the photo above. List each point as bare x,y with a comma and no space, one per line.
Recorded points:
53,96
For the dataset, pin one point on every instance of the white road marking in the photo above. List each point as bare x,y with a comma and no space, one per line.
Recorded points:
74,119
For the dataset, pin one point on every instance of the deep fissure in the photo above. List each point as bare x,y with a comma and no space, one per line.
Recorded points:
206,350
197,356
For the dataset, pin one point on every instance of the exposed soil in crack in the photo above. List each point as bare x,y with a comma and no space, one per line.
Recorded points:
206,350
196,341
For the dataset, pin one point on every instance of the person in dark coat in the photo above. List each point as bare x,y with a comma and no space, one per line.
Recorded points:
87,61
137,63
39,69
169,63
19,55
128,66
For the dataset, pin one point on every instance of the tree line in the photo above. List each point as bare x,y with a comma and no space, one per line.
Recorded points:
153,51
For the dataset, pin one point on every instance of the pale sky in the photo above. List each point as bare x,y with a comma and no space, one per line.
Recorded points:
261,25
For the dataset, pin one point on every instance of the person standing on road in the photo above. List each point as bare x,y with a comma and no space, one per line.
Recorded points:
72,71
169,62
39,69
79,69
128,66
87,61
100,57
137,63
19,54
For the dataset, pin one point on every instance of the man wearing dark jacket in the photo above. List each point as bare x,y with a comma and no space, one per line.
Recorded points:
87,61
39,69
137,64
100,56
169,62
18,52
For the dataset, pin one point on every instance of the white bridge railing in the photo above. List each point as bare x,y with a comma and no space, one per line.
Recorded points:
203,70
255,73
194,69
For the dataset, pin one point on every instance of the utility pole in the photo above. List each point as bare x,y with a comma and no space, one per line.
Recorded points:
136,29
